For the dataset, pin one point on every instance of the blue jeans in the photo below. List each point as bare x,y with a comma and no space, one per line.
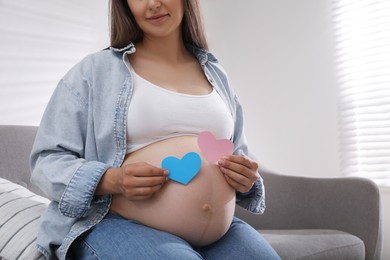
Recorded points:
116,238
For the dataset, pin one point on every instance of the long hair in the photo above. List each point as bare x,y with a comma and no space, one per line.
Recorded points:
124,29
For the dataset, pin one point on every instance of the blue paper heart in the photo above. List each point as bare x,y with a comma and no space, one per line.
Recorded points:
183,170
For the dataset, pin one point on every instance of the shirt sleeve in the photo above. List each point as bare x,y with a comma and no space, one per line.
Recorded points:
58,163
253,200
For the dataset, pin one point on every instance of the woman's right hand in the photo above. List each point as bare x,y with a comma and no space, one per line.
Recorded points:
140,181
137,181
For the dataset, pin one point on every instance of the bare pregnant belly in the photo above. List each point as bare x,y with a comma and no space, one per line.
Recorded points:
199,212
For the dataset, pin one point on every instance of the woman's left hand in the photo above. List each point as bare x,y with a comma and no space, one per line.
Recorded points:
240,172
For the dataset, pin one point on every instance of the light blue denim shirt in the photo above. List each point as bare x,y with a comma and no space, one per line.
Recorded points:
83,133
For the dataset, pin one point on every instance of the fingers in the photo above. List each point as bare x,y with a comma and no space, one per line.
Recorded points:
240,172
237,181
144,170
242,160
142,180
236,185
147,181
141,193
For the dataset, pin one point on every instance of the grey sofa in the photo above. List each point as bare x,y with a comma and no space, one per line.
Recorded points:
306,218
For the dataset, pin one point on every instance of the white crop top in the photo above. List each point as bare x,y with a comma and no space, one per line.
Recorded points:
156,113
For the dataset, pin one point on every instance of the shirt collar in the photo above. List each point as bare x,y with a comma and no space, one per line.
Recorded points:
129,48
202,55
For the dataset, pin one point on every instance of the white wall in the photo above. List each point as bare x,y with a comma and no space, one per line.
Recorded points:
279,55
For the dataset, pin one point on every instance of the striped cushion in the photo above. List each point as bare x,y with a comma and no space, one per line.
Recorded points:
20,210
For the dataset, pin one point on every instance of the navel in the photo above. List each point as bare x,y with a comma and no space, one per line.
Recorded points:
206,207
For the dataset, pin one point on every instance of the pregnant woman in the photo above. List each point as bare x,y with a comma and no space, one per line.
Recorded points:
111,122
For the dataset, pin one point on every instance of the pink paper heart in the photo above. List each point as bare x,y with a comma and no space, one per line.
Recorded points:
214,149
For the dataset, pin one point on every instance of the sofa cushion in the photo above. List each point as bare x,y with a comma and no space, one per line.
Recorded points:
315,244
20,210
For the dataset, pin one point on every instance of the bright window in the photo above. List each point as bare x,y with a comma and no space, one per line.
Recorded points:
39,42
362,44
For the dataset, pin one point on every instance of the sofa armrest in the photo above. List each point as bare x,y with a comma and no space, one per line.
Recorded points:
347,204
